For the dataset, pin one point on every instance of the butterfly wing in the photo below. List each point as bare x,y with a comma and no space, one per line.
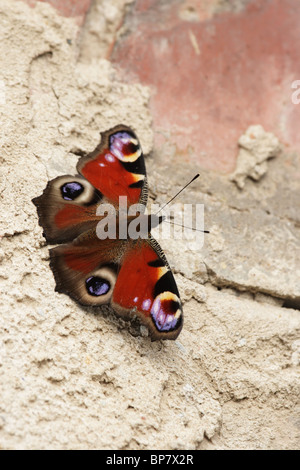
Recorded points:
67,208
132,275
115,168
87,268
146,287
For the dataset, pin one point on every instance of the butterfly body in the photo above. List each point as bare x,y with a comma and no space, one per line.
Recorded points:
126,268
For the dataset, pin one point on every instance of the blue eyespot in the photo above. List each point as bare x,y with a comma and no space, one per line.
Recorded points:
164,313
71,191
122,144
97,286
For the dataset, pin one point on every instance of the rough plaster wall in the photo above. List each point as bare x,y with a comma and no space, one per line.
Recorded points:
74,378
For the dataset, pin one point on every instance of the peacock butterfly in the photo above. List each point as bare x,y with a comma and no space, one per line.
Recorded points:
132,274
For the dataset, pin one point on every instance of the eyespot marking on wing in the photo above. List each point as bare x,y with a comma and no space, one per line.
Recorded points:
71,190
97,286
125,146
166,312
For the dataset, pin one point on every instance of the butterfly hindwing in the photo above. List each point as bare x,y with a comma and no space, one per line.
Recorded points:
146,287
133,276
87,268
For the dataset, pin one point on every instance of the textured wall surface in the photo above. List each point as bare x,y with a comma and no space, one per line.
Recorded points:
74,377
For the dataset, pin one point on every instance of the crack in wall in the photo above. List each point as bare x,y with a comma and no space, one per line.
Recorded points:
286,301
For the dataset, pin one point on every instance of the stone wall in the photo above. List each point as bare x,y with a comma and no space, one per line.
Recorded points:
76,378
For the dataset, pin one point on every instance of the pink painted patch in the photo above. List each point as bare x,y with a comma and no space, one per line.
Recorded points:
68,8
212,78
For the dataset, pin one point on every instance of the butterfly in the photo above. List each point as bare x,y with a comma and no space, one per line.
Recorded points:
130,273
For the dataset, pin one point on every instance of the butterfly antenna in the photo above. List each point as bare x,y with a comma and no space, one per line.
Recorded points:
184,226
193,179
174,223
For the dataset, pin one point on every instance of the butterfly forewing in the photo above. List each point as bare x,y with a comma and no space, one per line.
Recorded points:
117,167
